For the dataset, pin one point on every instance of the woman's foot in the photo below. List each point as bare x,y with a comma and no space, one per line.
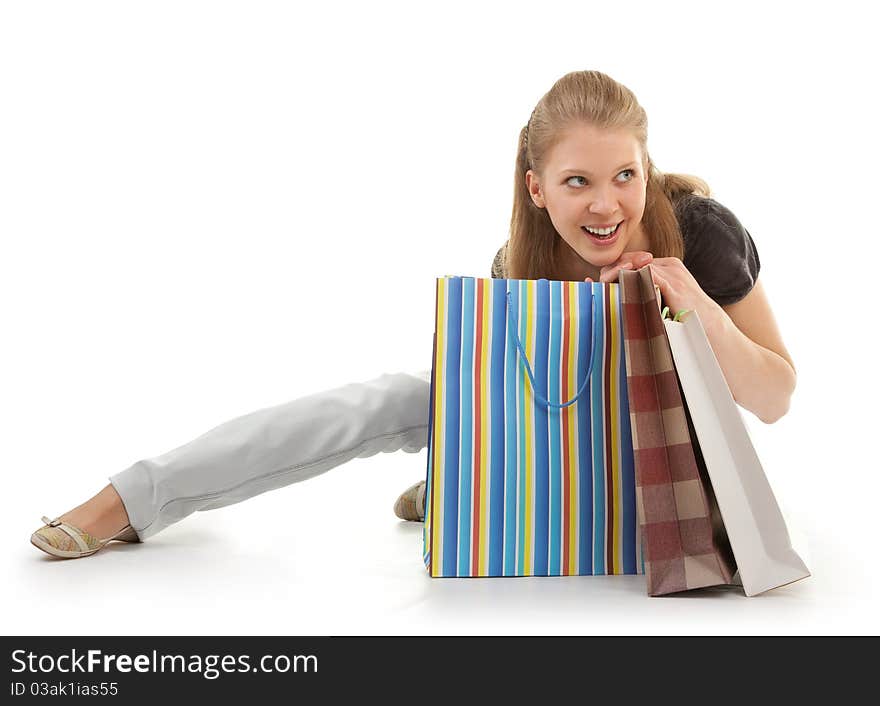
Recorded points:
101,516
87,528
411,503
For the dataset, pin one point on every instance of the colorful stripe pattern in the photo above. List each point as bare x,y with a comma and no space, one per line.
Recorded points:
517,487
684,538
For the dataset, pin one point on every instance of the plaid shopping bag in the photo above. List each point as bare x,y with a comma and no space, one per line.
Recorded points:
530,463
685,541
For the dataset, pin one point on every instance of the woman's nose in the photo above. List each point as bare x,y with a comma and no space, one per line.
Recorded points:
603,202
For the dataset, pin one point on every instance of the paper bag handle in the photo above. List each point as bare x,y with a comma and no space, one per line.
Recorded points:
543,400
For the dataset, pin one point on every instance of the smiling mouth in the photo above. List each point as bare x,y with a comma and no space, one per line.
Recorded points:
602,237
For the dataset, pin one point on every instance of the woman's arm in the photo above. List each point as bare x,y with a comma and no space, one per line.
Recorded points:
744,336
749,348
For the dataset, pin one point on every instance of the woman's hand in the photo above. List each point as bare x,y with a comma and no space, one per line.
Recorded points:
678,288
633,260
743,336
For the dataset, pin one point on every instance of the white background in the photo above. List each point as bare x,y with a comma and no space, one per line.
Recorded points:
212,207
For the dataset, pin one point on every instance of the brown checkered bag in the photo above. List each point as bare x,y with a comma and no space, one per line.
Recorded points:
684,542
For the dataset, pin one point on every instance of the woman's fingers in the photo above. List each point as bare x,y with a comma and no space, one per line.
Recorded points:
632,260
610,272
628,261
665,286
639,258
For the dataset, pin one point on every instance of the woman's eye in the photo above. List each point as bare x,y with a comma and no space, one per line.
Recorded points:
630,174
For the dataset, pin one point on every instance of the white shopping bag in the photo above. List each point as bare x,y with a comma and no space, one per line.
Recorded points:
754,523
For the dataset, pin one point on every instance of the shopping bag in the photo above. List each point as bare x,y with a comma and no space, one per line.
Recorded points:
530,465
754,523
683,534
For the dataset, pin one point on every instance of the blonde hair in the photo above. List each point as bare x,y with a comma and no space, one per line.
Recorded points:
534,249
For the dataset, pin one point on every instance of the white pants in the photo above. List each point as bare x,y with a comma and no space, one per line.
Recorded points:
276,446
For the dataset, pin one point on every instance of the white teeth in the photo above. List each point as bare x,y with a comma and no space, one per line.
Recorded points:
602,231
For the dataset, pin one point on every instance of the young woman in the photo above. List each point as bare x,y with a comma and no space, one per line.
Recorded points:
588,202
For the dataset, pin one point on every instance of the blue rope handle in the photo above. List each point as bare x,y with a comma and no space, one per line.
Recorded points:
543,400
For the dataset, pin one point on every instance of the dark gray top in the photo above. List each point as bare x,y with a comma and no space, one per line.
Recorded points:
718,250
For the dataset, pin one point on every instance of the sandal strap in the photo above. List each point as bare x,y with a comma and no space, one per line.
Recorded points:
73,532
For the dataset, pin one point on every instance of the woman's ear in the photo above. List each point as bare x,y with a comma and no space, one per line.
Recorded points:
534,187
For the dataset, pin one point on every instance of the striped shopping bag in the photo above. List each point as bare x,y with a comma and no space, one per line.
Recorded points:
530,457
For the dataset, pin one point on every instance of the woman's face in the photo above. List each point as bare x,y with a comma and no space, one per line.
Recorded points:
594,179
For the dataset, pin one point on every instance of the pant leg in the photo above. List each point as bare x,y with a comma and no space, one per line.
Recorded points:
276,446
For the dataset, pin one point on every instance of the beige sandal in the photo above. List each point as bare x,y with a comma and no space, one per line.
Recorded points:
68,542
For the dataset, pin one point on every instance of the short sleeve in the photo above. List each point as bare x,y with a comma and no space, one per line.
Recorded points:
499,264
718,251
